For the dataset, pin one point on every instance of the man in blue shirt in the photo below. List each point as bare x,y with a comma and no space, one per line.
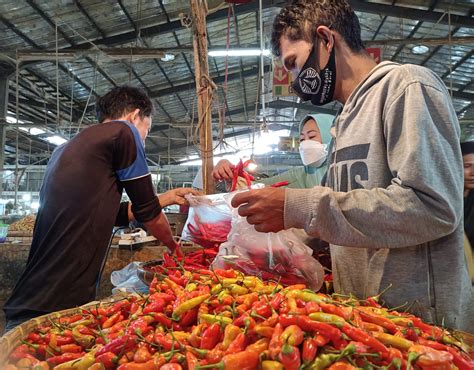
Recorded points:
80,204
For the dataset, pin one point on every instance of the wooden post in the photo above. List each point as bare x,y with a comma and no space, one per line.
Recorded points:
204,87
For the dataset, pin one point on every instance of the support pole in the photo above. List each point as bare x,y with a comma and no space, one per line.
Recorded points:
5,74
204,87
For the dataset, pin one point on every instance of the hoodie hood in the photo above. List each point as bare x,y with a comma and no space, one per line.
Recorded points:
324,122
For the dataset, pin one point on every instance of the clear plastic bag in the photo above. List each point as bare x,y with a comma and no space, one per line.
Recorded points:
209,220
279,256
127,280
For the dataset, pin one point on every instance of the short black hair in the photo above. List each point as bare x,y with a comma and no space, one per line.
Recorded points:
299,19
467,147
122,100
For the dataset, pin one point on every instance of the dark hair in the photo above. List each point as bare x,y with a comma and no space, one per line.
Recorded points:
467,147
299,20
122,100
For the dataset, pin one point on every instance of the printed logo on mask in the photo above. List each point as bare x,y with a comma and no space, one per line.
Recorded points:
310,81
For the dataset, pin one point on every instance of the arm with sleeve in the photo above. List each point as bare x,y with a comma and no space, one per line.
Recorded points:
422,202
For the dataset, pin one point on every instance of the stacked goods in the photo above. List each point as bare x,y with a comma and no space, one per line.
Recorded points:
26,224
223,319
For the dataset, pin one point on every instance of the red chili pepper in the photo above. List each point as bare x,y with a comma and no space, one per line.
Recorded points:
73,348
279,184
432,331
305,323
379,320
108,359
161,296
321,340
312,307
155,306
163,320
359,335
189,318
191,360
210,336
112,320
238,344
309,350
290,357
35,338
123,306
123,344
372,301
142,354
167,342
20,352
236,361
344,312
62,340
276,343
56,360
178,280
461,362
171,366
262,309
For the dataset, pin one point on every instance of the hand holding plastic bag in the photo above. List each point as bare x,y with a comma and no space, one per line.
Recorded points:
279,256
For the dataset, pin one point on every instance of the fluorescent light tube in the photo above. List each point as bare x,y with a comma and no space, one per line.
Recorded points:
238,53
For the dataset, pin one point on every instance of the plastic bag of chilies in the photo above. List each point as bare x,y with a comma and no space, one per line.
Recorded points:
278,256
209,220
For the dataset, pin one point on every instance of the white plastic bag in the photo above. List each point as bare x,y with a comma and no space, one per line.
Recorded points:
279,256
209,220
127,280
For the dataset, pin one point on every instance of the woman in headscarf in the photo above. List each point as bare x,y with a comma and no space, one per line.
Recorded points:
315,136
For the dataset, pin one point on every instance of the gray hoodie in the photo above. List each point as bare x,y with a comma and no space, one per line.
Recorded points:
393,208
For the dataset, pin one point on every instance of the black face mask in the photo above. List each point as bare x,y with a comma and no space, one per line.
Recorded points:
315,84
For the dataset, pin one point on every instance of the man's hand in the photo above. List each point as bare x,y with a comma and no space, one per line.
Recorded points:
176,196
263,208
223,170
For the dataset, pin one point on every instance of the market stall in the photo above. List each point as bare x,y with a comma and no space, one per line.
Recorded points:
199,318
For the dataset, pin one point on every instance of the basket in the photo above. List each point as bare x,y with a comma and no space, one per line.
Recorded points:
13,338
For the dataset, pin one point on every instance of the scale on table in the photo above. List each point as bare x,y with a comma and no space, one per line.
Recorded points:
135,239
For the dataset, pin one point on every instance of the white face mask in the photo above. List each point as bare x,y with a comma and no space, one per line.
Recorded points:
313,153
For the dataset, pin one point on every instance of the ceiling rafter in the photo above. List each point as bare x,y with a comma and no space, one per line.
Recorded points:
176,38
30,42
53,25
374,8
135,74
414,30
411,13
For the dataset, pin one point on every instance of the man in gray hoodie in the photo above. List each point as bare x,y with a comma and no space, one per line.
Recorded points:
392,210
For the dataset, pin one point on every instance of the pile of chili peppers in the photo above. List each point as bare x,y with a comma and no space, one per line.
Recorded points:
208,234
196,260
223,319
